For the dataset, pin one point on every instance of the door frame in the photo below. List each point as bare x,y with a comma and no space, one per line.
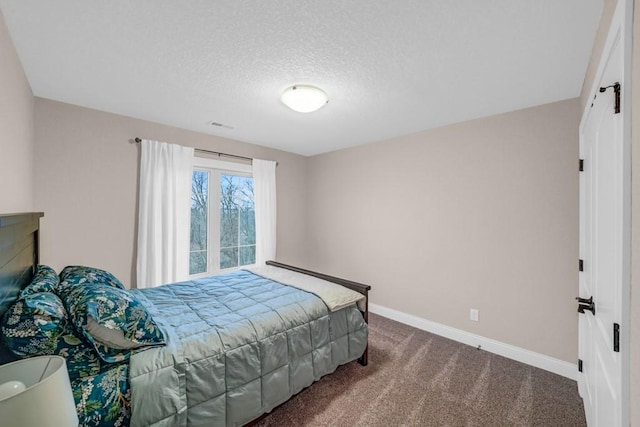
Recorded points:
621,24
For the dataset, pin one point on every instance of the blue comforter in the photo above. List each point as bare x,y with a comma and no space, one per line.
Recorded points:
238,345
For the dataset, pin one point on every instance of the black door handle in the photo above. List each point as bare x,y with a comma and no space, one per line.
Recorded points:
586,304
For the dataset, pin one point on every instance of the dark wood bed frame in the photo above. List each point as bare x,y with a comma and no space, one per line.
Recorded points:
19,252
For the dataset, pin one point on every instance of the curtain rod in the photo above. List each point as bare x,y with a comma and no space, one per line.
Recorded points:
217,153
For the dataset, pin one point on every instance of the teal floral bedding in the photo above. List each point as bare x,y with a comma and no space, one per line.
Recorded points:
111,319
44,280
79,274
32,325
102,400
82,361
38,324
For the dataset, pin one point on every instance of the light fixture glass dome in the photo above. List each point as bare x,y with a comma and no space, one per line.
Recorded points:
304,98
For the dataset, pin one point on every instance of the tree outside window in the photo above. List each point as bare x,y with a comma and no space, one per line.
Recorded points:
234,218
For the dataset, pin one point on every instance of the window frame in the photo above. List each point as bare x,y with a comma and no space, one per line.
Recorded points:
215,168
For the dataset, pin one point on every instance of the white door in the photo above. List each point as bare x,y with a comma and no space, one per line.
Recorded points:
604,237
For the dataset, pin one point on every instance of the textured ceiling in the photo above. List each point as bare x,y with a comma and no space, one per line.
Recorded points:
389,67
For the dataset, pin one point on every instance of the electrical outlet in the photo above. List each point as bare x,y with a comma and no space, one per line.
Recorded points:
473,314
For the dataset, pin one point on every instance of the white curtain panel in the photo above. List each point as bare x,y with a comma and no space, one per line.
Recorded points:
264,187
164,213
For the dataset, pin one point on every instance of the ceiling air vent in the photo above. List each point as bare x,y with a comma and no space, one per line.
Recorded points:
221,125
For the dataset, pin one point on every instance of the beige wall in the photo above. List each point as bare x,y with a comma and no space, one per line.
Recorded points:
480,214
635,224
86,173
16,130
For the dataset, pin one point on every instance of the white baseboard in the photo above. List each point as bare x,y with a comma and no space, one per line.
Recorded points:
551,364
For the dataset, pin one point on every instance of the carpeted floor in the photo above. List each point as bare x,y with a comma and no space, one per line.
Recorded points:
415,378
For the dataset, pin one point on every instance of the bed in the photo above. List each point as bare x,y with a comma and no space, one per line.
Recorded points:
222,350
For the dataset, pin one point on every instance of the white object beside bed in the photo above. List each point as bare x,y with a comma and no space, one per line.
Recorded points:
45,398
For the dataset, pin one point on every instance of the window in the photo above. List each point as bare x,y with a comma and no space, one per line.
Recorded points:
223,226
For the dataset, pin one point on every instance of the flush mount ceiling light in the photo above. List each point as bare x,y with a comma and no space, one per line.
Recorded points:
304,98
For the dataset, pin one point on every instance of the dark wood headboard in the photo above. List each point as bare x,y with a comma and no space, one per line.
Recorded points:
18,260
18,254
